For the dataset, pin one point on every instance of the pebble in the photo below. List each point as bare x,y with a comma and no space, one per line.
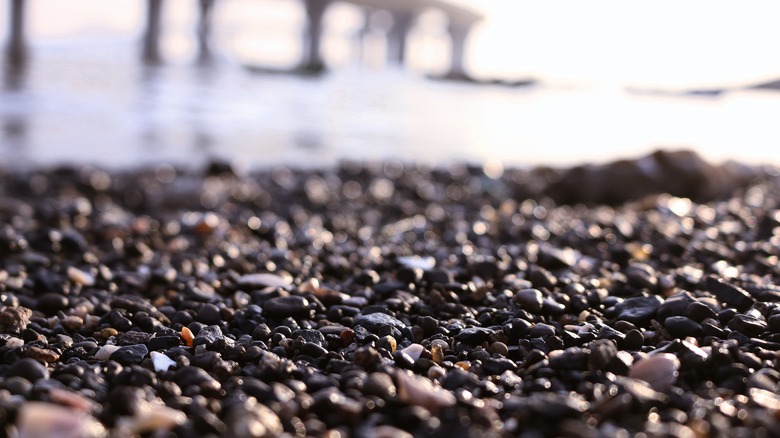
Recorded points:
660,371
261,280
27,368
530,300
732,295
417,262
80,277
386,299
130,354
374,321
289,306
14,319
161,362
638,310
38,419
419,391
106,351
682,327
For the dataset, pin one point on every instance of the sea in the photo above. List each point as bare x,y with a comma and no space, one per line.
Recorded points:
84,97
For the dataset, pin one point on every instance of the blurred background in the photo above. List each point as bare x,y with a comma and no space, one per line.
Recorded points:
124,83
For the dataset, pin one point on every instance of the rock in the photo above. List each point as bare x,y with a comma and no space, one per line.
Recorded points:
264,280
253,420
474,335
14,319
106,351
682,327
660,371
637,310
420,391
80,277
42,354
151,417
130,354
208,336
29,369
748,325
289,306
414,351
529,299
602,353
424,263
38,419
161,362
374,321
729,294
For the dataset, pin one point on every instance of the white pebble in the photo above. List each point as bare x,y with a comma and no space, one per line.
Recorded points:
424,263
421,392
38,419
660,371
414,351
269,280
80,277
161,361
151,418
106,351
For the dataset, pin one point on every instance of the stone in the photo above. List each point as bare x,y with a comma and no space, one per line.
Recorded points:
130,354
529,299
38,419
262,280
29,369
682,327
637,310
289,306
660,371
14,319
374,321
732,295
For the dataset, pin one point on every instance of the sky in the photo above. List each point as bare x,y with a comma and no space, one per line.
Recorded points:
661,42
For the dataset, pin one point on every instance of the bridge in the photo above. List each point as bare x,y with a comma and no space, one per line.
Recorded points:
404,13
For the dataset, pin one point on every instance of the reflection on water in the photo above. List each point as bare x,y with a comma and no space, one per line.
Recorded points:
89,101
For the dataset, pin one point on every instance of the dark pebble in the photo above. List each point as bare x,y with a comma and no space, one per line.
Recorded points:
637,310
29,369
681,326
747,325
374,321
731,295
289,306
130,354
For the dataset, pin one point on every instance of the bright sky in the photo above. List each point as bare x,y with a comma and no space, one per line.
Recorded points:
692,42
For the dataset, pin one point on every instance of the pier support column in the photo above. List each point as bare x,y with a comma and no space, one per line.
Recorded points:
312,57
152,32
204,30
16,50
458,35
396,37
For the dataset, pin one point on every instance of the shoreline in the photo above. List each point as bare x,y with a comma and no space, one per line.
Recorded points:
391,300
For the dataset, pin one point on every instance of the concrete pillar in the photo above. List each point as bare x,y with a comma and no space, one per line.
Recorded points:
312,57
458,35
204,30
152,32
16,50
396,37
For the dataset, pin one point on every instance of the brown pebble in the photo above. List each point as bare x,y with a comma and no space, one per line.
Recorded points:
72,322
107,333
42,355
498,348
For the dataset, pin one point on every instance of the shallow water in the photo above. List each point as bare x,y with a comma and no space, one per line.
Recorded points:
90,102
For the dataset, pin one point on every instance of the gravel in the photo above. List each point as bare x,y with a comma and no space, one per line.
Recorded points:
387,299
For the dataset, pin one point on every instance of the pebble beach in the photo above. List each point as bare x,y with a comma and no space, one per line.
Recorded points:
634,298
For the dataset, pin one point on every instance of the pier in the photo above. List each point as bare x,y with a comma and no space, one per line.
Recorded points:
404,14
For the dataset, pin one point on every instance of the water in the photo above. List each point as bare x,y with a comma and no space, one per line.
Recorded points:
88,100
